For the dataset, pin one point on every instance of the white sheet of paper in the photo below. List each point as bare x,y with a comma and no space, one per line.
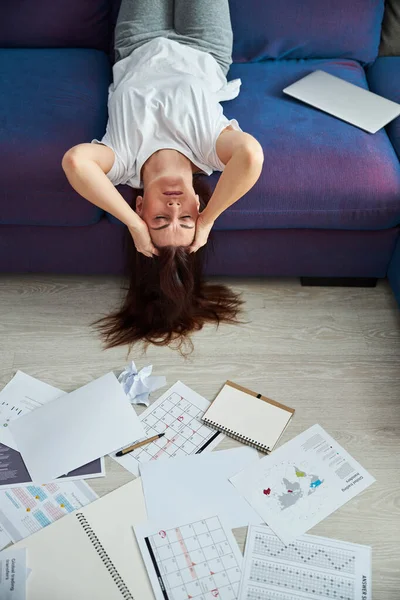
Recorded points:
312,565
21,395
178,487
177,413
302,482
13,574
76,428
4,538
196,558
25,510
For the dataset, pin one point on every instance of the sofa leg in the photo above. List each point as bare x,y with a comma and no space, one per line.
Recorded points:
339,281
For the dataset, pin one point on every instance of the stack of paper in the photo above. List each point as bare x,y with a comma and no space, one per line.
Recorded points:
76,428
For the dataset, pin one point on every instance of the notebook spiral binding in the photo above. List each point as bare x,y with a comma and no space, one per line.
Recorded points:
108,563
237,436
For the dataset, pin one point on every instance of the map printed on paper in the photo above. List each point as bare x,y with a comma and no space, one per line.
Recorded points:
309,567
291,484
177,413
301,483
199,560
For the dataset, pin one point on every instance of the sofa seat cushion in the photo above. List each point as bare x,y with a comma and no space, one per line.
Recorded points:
319,172
384,79
50,100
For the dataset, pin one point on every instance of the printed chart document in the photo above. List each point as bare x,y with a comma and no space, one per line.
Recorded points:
13,574
302,483
194,559
310,567
25,510
177,413
181,486
76,428
20,396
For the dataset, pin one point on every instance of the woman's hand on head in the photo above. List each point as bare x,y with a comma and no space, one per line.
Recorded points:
203,228
142,240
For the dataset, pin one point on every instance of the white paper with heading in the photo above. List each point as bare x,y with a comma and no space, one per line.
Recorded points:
76,428
13,574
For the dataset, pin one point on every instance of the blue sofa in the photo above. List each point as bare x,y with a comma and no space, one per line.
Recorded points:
327,203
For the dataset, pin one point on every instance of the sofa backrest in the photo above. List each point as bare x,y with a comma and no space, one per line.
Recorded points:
295,29
56,23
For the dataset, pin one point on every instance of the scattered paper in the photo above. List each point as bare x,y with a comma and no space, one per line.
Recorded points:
178,487
13,574
177,413
310,567
197,558
13,472
138,385
20,396
76,428
25,510
302,482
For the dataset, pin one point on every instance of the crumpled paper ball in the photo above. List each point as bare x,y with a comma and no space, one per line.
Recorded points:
138,385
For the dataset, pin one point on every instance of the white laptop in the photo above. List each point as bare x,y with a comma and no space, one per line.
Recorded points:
344,100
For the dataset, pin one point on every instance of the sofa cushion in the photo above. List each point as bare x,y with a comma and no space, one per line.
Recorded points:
50,100
319,172
384,79
306,29
55,23
390,39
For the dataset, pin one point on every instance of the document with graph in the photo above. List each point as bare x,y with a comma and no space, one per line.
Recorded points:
197,559
301,483
311,567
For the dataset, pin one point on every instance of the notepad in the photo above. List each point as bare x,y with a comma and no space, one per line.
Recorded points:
91,553
248,417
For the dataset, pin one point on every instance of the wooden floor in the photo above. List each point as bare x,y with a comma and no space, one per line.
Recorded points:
331,353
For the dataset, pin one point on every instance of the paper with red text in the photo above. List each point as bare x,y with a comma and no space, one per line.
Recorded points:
177,413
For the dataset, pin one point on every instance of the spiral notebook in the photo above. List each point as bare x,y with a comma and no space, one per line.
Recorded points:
248,417
91,553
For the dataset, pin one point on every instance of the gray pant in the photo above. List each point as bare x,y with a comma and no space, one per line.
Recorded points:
202,24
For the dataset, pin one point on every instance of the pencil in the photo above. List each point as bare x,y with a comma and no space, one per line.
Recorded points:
142,443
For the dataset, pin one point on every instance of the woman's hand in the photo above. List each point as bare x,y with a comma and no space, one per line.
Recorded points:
142,240
203,228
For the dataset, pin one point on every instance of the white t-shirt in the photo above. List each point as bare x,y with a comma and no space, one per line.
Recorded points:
166,95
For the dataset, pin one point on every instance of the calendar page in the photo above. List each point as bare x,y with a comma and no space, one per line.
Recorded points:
197,560
177,414
310,567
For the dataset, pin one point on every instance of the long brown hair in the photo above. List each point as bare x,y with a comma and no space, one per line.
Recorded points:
168,298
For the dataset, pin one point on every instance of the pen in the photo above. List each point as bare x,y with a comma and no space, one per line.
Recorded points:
142,443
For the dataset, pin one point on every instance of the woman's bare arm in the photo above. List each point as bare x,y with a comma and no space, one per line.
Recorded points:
243,156
85,167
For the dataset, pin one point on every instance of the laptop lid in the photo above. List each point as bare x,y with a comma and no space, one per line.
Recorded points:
344,100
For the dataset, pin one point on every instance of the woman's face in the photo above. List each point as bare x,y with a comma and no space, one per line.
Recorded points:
170,208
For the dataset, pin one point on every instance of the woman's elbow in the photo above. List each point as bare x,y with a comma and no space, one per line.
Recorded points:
254,153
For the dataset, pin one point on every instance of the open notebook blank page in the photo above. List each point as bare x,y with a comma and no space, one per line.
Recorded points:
249,417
